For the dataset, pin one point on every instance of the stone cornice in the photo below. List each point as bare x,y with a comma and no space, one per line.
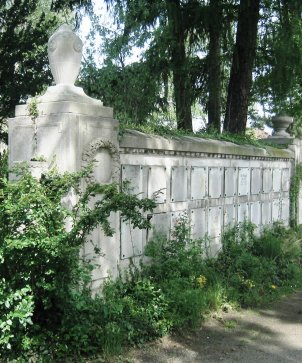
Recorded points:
135,142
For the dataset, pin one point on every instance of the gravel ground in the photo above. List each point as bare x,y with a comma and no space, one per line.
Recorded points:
272,334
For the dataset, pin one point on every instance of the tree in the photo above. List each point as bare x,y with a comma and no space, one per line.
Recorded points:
242,67
23,41
214,64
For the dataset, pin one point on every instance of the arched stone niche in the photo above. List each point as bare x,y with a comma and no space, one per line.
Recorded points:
106,162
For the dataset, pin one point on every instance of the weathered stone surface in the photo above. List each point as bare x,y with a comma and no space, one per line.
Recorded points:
179,184
199,182
230,182
157,183
244,181
215,182
198,223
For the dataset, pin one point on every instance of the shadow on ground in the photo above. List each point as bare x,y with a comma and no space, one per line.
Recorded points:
273,334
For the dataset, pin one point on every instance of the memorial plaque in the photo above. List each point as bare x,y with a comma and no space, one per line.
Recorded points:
131,240
243,212
230,182
285,210
134,174
199,182
229,215
276,210
214,221
215,182
179,184
276,180
160,223
285,180
244,181
198,223
256,213
157,183
256,181
267,180
266,213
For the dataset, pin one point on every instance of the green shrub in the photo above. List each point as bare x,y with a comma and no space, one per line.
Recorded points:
39,257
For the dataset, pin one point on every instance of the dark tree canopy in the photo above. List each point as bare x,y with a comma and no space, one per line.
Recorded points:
23,40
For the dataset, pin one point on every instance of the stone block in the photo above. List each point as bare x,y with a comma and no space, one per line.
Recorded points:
242,212
244,181
229,215
267,180
214,221
285,210
256,181
266,212
132,240
276,180
255,208
198,223
215,182
134,175
157,183
230,182
179,183
161,223
285,179
276,210
199,182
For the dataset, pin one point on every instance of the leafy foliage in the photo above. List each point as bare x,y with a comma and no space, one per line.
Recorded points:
39,258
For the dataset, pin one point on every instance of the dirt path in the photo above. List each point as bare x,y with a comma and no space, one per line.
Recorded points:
272,334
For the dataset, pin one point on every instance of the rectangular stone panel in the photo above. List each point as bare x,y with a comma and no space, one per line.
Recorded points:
229,215
244,181
21,143
198,223
230,182
176,216
276,210
214,221
285,210
134,175
266,213
160,223
255,213
267,180
215,182
256,181
242,212
179,183
199,183
157,183
131,240
276,180
285,179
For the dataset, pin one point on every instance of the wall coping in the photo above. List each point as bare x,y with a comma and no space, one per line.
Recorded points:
134,141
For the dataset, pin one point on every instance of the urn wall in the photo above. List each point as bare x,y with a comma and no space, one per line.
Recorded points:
65,53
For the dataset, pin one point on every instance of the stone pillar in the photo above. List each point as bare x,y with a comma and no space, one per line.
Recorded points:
67,129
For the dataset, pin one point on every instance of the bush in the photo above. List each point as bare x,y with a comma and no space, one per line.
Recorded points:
257,268
41,273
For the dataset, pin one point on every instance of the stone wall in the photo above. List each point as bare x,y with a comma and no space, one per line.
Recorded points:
216,183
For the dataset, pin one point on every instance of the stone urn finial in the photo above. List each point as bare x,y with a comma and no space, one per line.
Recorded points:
65,54
281,124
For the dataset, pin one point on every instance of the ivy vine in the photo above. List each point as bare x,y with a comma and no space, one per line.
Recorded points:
294,195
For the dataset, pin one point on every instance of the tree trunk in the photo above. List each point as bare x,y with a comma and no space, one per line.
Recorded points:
180,71
214,76
242,67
